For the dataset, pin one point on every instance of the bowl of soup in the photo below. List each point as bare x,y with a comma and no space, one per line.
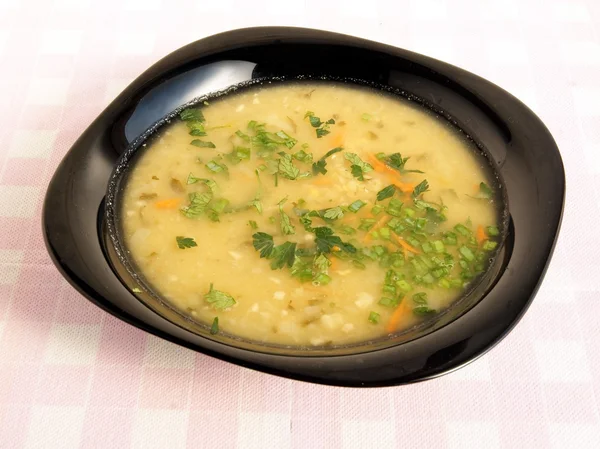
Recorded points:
311,205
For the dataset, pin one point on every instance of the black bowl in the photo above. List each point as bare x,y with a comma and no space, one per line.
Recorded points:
520,149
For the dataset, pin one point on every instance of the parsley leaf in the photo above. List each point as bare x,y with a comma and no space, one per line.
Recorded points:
326,240
253,224
256,203
334,213
214,328
286,225
485,191
279,255
397,162
386,192
315,121
282,255
422,187
322,132
191,114
358,167
286,167
319,166
303,156
321,264
238,154
202,144
263,243
219,300
208,182
215,167
196,129
198,203
322,127
185,242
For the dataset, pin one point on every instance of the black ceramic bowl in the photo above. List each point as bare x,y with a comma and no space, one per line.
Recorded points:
80,223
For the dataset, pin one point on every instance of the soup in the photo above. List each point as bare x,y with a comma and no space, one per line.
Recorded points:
310,214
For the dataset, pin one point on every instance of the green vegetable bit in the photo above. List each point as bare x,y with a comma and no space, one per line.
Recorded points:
214,328
185,242
202,144
374,317
219,300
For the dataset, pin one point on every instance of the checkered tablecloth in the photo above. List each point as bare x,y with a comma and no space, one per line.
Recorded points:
73,376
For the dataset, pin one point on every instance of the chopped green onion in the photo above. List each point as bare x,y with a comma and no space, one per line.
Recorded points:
374,317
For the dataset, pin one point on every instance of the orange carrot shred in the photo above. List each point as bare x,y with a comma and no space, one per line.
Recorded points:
171,203
377,225
399,312
337,140
480,235
406,246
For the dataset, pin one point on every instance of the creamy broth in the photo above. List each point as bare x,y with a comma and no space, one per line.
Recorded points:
360,268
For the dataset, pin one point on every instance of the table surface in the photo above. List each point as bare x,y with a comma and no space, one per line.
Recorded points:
73,376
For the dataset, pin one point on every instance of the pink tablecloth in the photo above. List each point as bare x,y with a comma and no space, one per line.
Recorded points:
73,376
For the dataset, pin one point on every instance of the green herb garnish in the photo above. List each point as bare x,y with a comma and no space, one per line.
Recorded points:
319,166
214,328
358,167
374,317
219,300
386,192
202,144
185,242
198,203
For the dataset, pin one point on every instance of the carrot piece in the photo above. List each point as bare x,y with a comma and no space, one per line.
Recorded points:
376,163
382,221
337,140
480,235
399,312
171,203
405,187
333,263
405,245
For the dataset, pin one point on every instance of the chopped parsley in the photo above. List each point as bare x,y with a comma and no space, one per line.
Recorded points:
198,204
319,166
322,128
185,242
202,144
397,162
334,213
219,300
422,187
287,228
214,328
216,167
358,167
386,192
286,167
253,224
238,155
191,114
485,191
326,241
280,255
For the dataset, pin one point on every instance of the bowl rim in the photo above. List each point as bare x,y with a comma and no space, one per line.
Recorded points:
395,364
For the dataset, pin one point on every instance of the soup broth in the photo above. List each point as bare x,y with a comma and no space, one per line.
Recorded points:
310,214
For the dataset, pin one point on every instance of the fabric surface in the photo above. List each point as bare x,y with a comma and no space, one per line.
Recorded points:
72,376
